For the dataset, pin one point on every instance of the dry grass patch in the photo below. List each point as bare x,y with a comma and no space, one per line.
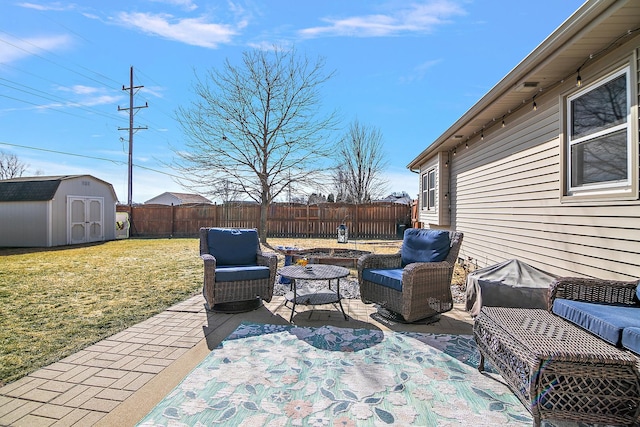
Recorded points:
54,302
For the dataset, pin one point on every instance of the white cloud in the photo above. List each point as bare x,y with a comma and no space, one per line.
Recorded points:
192,31
184,4
17,49
418,72
415,18
56,6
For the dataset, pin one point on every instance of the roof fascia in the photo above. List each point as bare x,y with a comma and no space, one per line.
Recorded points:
571,27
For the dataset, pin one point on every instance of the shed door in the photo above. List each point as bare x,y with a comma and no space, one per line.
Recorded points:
85,216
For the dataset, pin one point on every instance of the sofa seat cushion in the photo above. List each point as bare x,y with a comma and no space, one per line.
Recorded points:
631,339
389,277
423,245
606,321
241,273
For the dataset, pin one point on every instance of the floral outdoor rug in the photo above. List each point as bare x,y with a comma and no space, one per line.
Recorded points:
273,375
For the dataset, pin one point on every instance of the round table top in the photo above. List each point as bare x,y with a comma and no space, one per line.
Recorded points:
314,272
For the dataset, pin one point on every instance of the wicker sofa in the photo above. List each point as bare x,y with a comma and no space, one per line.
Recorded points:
578,360
608,309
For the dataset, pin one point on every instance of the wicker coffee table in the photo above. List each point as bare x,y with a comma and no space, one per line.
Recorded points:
558,370
321,272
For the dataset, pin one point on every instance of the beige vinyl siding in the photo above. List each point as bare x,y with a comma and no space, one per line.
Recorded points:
85,186
23,222
438,217
506,199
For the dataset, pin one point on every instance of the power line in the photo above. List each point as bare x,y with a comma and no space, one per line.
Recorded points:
84,156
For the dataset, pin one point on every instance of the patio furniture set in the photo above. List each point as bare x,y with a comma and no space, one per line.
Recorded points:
578,360
415,282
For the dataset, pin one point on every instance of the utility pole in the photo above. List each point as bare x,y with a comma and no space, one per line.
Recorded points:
131,129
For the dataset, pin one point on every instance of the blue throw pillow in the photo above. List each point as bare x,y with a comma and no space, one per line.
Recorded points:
424,245
234,246
638,292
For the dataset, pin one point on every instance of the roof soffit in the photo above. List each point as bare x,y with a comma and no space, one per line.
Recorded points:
591,29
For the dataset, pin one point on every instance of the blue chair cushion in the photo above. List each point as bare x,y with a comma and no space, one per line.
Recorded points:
389,277
604,320
233,247
631,339
423,245
241,273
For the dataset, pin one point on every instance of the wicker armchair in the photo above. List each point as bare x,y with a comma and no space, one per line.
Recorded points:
237,275
593,290
414,290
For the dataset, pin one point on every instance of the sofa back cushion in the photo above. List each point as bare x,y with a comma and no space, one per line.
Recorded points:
423,245
232,246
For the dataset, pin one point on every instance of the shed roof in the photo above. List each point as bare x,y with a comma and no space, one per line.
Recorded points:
596,27
35,188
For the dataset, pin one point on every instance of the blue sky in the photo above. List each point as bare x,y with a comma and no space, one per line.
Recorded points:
409,68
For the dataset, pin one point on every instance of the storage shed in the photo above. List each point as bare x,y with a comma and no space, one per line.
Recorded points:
45,211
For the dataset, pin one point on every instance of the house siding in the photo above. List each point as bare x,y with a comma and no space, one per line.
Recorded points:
439,217
506,198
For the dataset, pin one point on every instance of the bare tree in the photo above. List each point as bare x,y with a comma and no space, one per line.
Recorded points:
11,166
258,126
358,176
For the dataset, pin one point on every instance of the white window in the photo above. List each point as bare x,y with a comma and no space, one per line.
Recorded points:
599,136
429,190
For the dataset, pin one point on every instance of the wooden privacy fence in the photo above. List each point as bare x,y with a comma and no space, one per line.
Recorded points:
364,221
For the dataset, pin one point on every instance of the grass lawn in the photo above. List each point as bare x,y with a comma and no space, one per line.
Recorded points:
56,301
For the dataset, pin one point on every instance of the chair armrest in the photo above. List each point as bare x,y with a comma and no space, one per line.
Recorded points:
593,290
426,266
267,259
379,261
209,260
428,273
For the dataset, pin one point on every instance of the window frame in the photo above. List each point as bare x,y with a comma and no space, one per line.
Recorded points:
428,190
626,189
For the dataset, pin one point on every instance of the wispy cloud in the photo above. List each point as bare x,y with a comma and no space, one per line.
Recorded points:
15,49
184,4
418,72
413,18
55,6
192,31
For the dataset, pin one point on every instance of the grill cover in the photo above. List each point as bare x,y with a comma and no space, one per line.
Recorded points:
510,283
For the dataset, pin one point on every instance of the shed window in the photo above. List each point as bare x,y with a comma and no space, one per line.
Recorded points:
599,135
429,190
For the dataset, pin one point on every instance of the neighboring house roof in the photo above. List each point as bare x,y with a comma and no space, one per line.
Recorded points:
590,32
182,198
35,188
397,197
